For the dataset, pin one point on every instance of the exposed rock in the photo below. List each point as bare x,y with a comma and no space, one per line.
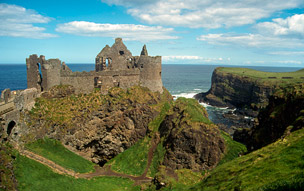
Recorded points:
98,126
59,91
190,144
26,99
284,114
236,91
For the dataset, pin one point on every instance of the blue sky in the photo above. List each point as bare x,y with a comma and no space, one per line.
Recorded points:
235,32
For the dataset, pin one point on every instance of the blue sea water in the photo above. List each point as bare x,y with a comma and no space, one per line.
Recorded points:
181,80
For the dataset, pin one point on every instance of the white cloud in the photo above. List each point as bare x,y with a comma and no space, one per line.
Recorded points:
251,40
17,21
290,27
288,53
281,33
126,31
206,14
290,62
173,58
169,58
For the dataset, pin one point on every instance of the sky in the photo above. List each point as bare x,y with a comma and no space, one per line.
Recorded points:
219,32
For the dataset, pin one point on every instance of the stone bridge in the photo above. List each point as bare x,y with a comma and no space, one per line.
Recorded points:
12,103
9,115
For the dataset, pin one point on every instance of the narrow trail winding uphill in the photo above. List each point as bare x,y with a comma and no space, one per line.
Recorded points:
99,171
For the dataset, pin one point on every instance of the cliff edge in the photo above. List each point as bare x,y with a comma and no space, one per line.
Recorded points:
246,88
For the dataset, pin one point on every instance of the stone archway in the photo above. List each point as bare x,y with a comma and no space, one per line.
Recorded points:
10,127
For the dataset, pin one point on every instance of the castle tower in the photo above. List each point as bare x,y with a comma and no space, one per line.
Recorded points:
150,71
42,74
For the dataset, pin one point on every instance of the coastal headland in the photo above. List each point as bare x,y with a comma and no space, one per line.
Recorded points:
115,129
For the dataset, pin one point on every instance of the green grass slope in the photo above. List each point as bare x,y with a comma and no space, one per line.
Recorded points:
133,161
280,78
56,152
33,176
279,166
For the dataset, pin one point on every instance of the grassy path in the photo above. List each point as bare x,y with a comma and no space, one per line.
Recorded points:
55,167
99,171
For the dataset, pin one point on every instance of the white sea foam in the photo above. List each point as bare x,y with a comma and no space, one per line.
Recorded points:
186,95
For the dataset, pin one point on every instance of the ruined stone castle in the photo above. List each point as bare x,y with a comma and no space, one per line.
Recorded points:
114,67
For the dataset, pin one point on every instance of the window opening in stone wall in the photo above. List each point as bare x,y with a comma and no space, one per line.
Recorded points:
10,127
39,81
108,62
160,74
121,52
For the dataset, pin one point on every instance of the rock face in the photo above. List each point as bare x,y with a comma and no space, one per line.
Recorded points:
59,91
109,134
237,91
190,143
98,126
284,113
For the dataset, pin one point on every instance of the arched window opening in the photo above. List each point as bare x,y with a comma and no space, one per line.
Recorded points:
39,80
10,127
108,62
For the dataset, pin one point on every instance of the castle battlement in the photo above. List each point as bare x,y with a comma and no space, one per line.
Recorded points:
114,67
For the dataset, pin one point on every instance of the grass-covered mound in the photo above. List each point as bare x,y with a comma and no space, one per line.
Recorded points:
7,176
134,160
33,176
71,109
56,152
279,78
279,166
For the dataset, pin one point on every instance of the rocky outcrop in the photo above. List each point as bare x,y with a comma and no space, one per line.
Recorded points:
97,126
284,114
110,133
239,91
190,142
59,91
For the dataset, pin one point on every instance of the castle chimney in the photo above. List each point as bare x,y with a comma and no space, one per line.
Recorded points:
118,40
144,51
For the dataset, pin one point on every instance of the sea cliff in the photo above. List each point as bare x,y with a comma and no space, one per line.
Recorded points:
242,87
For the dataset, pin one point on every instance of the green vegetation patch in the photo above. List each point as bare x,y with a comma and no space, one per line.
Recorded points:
233,149
279,165
132,161
67,111
155,123
194,111
56,152
7,177
33,176
157,159
278,78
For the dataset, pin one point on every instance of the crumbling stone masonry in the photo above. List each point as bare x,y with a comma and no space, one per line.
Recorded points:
114,67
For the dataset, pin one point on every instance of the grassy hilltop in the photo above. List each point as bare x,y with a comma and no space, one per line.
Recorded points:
279,78
177,130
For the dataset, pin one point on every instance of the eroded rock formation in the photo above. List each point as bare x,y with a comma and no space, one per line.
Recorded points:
98,126
283,114
190,144
236,91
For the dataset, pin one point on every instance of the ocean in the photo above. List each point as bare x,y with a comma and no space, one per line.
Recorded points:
182,80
